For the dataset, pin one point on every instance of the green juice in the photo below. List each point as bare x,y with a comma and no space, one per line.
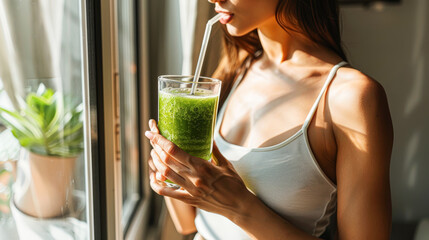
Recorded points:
188,120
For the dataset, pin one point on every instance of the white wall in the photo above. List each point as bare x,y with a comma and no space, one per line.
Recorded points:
392,46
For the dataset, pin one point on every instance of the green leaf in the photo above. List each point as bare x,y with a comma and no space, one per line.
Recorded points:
49,94
48,124
29,141
33,116
73,124
18,123
75,140
59,114
50,113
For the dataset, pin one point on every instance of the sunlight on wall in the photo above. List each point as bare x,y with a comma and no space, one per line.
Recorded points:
391,46
418,58
417,91
421,22
411,150
412,176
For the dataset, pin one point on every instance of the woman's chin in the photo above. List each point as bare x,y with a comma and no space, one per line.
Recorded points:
236,32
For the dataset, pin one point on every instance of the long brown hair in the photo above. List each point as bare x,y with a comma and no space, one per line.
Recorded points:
316,19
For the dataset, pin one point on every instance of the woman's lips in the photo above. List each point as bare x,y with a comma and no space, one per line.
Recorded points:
226,18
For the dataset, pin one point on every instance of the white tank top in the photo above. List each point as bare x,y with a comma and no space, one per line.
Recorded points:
285,176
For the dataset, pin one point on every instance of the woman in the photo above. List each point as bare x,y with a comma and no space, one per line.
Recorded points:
303,141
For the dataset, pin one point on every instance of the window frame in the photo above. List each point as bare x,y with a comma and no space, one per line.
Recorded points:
100,36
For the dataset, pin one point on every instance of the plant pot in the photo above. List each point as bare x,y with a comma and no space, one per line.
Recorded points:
44,185
70,226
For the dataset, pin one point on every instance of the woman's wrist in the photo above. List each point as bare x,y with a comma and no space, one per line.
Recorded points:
253,214
250,208
253,217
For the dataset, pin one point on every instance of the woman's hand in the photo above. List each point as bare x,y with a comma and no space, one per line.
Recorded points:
215,188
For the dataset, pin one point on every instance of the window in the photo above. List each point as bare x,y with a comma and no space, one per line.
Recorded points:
76,64
42,104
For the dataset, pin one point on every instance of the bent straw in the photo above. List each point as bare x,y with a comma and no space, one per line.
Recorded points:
206,37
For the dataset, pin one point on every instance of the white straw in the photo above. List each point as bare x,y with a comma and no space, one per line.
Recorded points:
206,38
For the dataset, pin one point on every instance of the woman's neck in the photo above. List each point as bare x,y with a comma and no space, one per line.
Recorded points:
281,46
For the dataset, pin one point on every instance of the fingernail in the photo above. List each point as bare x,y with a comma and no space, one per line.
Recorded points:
159,177
149,134
151,124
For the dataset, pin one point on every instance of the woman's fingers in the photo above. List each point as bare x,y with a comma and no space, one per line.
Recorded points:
152,169
151,165
167,165
160,187
179,194
170,161
194,181
153,127
169,148
164,165
165,170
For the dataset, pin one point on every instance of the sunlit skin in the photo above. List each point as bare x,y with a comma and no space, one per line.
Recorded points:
350,135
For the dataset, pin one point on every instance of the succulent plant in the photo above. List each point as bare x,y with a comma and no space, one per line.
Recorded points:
48,124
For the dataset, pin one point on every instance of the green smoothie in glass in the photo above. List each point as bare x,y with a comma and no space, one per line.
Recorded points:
188,119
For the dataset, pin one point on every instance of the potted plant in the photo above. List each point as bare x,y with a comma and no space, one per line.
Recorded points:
50,130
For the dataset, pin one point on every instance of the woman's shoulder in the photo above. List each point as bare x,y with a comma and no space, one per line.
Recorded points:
354,94
352,82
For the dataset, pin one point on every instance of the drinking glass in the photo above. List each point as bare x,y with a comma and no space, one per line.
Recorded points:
187,119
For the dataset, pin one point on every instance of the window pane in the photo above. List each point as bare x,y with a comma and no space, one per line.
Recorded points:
131,193
41,76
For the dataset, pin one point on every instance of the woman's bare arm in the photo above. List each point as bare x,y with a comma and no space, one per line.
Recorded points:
364,135
182,214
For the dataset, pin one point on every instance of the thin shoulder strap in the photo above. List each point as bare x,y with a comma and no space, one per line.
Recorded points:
325,86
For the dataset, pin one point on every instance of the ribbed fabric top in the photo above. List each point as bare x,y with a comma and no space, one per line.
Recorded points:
285,176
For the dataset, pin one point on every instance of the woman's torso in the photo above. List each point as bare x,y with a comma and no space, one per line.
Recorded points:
263,119
270,105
